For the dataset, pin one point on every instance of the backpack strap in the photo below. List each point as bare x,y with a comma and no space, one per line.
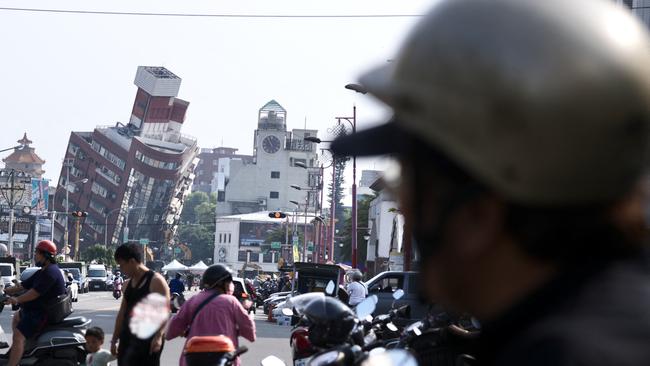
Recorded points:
198,309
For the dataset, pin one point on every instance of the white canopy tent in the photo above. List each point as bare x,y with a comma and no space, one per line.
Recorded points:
198,268
175,266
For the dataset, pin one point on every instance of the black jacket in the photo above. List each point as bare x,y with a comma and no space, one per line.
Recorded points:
596,314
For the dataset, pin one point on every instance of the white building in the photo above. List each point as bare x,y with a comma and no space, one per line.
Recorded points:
281,159
240,239
386,231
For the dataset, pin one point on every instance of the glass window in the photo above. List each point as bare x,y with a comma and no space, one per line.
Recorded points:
389,284
275,175
241,256
274,194
255,257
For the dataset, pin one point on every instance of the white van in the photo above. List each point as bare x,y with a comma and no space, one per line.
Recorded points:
97,275
8,274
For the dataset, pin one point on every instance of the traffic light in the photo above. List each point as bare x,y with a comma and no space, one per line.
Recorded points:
79,214
277,215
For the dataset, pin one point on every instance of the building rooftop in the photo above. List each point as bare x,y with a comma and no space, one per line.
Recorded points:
24,154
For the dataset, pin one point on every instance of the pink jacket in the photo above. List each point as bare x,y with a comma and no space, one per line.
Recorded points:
222,315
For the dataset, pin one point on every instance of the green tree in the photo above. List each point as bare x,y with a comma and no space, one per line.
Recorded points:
363,208
198,224
191,202
99,253
336,186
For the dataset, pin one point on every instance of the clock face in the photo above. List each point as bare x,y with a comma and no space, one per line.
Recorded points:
222,253
271,144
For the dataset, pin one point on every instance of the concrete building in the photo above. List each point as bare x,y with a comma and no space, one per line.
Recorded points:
386,232
281,158
137,173
205,180
241,240
368,177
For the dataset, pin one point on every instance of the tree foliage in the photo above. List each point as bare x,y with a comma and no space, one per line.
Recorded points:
363,208
100,254
197,225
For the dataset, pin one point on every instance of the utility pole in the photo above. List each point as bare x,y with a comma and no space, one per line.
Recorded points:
77,230
68,164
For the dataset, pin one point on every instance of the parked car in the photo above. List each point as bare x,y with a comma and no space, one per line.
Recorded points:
8,274
274,299
80,280
386,283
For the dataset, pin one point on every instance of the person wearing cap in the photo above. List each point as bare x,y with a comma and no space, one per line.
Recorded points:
46,284
212,312
522,132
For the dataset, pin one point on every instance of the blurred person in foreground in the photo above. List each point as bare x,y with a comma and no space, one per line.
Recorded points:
521,128
142,281
214,311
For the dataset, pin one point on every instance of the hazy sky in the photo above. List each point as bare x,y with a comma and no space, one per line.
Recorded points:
65,72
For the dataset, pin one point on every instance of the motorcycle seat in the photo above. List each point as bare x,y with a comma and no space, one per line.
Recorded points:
71,322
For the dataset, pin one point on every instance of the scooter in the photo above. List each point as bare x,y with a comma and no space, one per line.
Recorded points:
60,344
117,290
212,351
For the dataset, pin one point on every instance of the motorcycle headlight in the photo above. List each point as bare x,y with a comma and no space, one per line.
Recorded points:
327,358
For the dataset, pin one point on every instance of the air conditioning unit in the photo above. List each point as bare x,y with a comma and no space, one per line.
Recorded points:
261,202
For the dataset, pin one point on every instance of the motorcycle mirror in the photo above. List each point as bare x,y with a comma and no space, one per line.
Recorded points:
330,288
149,315
272,361
287,312
366,307
398,294
391,327
391,357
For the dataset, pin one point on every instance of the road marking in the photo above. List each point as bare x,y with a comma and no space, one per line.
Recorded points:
105,315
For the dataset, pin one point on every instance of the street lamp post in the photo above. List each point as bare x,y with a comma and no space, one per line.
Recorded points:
299,188
353,122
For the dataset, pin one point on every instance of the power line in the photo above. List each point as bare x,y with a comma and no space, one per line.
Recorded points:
198,15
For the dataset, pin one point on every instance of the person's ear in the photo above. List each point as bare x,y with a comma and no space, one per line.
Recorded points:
477,226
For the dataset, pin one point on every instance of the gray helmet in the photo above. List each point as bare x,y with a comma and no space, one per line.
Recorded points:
545,102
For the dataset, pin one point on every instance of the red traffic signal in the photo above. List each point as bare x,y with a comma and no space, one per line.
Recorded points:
277,215
79,213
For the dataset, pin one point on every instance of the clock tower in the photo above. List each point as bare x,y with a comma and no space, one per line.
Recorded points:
271,131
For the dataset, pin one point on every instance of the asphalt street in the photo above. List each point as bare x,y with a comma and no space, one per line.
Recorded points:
101,307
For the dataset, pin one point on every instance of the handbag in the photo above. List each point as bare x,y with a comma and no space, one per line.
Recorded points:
58,308
196,312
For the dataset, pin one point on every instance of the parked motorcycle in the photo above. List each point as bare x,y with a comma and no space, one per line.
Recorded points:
60,344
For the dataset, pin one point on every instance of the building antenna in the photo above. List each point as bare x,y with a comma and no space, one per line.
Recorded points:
305,122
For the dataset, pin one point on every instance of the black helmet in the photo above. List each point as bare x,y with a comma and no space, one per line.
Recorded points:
331,321
216,274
